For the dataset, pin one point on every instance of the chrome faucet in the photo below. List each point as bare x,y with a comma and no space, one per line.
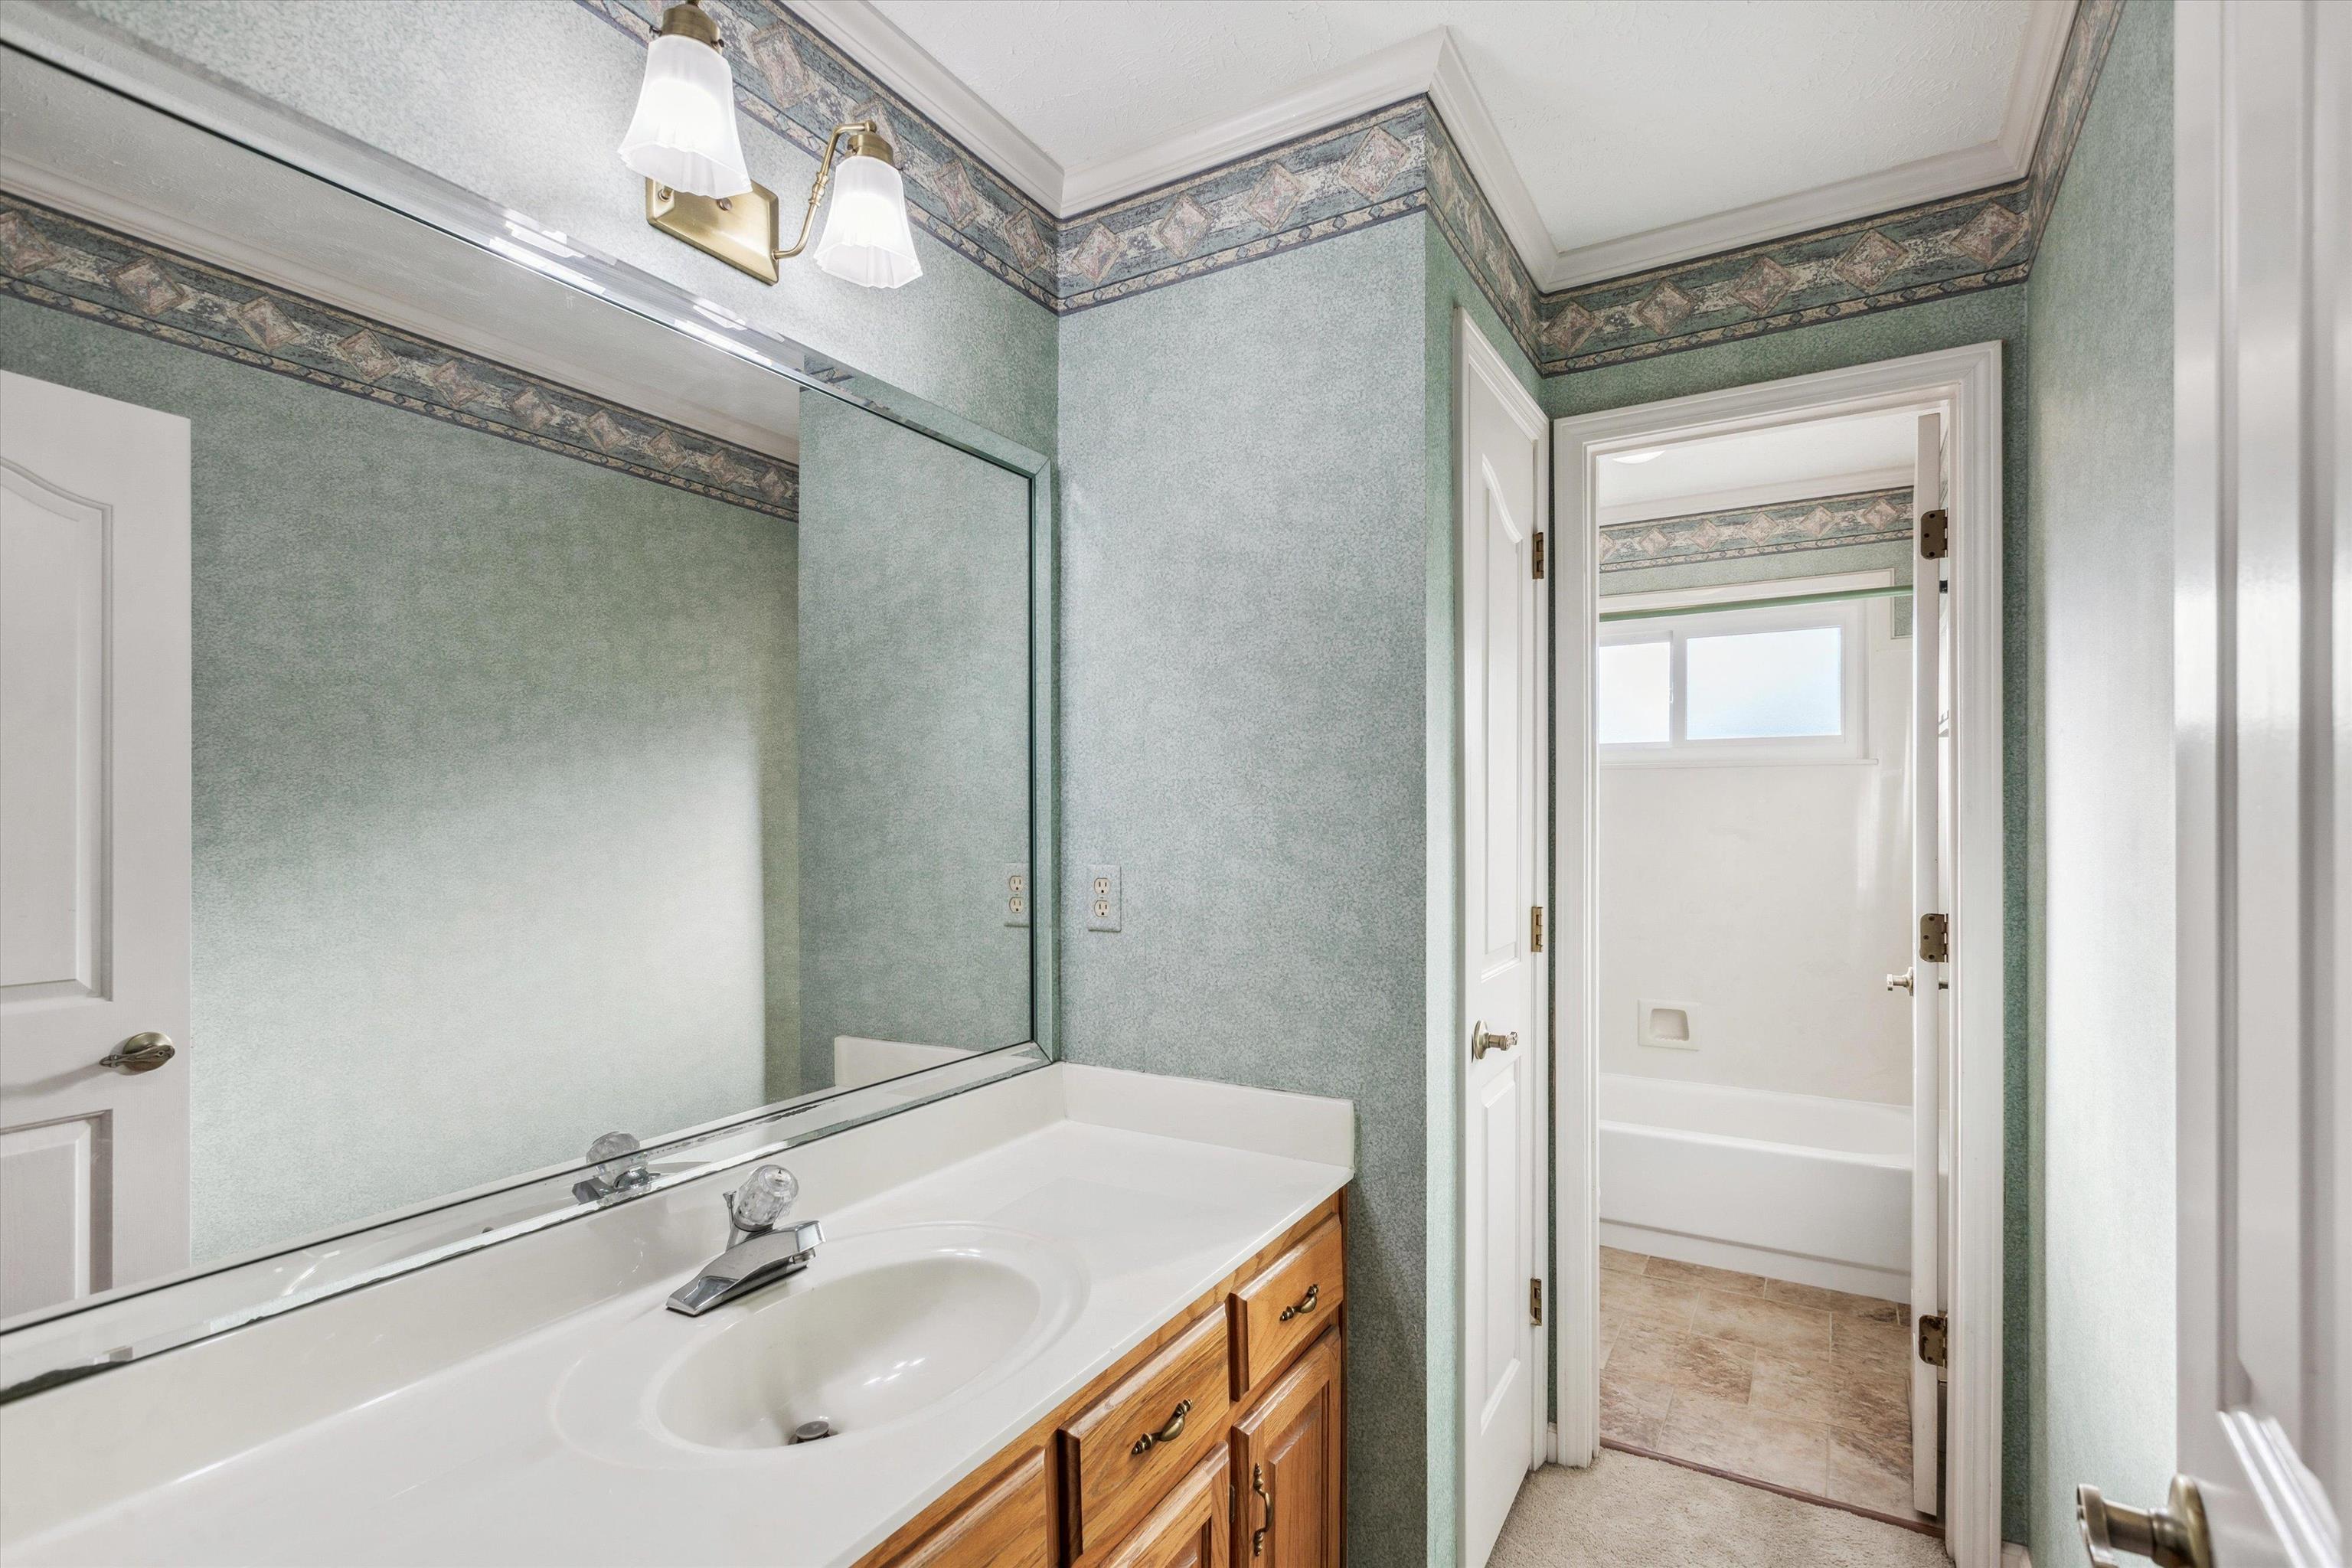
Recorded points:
761,1249
621,1169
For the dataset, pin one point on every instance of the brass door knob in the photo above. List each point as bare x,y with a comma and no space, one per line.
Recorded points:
140,1053
1483,1039
2173,1536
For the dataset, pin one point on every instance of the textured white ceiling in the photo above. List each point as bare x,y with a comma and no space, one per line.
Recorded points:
1769,461
1622,115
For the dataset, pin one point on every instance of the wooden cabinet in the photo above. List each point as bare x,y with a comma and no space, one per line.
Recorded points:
1218,1441
1188,1528
1008,1525
1286,1467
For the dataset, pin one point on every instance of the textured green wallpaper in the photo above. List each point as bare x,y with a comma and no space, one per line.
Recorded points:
482,740
2100,1043
914,732
1245,560
1889,334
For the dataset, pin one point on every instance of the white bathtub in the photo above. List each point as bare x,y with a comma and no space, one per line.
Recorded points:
1790,1186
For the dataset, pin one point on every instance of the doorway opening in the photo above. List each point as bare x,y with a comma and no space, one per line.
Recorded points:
1778,827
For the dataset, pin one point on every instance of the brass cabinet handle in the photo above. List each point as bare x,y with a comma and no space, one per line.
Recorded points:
1306,1303
1168,1433
140,1053
1483,1039
2174,1536
1257,1485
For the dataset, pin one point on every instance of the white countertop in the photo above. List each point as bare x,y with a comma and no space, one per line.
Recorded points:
472,1464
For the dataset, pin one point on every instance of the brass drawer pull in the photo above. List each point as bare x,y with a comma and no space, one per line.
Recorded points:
1257,1485
1306,1303
1168,1433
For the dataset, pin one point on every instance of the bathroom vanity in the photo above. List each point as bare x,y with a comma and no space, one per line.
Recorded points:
621,759
1076,1317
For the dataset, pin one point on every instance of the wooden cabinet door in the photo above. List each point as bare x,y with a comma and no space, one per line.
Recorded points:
1005,1526
1288,1467
1188,1529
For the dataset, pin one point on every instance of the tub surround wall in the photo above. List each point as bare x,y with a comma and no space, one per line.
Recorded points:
1687,856
2098,421
529,702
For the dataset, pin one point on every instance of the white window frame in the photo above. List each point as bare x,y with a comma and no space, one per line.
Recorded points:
1851,744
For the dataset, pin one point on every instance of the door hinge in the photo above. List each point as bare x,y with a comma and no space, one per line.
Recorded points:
1934,534
1935,1340
1539,554
1534,929
1934,938
1535,1303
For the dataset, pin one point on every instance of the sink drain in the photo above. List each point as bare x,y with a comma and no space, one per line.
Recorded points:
810,1431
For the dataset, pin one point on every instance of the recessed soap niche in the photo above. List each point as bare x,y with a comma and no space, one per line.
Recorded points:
1670,1025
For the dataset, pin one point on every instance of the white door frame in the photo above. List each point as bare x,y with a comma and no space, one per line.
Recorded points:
1965,384
1473,357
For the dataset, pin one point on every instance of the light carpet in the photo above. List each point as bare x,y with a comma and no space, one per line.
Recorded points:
1628,1512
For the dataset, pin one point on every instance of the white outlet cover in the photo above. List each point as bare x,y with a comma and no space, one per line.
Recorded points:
1013,893
1669,1026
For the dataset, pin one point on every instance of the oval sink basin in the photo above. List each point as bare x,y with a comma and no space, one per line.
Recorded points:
858,1352
882,1328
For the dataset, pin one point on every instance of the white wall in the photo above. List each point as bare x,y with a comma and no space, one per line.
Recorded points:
1773,900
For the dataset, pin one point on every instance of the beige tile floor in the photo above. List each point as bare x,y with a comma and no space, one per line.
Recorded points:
1796,1385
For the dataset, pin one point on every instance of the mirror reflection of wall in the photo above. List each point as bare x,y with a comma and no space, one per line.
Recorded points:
558,767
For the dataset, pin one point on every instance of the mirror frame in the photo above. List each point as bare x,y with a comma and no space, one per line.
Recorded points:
112,1328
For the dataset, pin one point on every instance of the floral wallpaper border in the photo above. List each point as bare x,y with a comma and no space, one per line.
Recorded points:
1386,164
68,264
1865,517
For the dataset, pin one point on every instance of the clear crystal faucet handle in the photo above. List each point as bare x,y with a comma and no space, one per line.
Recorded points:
619,1160
765,1197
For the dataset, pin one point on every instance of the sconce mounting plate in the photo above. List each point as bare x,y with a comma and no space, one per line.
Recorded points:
738,230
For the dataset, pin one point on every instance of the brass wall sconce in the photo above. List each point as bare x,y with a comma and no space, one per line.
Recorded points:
683,141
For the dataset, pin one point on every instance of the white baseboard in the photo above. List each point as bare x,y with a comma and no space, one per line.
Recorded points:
2012,1555
1857,1278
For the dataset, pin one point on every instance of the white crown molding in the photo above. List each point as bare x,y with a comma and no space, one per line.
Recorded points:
1736,495
874,41
1489,158
1906,184
2036,80
1430,64
1400,71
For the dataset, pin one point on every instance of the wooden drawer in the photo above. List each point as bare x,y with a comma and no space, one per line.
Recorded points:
1286,1305
1116,1463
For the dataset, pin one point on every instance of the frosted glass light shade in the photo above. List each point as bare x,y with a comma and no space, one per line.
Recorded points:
683,135
867,240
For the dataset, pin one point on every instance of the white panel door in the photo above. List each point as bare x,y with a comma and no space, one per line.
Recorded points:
94,781
2262,618
1926,978
1502,467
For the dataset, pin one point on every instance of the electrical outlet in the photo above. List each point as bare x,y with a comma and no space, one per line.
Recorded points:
1014,892
1102,898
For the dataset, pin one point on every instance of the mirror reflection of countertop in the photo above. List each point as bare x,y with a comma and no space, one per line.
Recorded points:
985,1256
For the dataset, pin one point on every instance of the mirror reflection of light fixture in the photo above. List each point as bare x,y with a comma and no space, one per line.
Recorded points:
683,141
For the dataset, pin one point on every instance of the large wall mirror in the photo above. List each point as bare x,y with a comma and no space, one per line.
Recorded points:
462,700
